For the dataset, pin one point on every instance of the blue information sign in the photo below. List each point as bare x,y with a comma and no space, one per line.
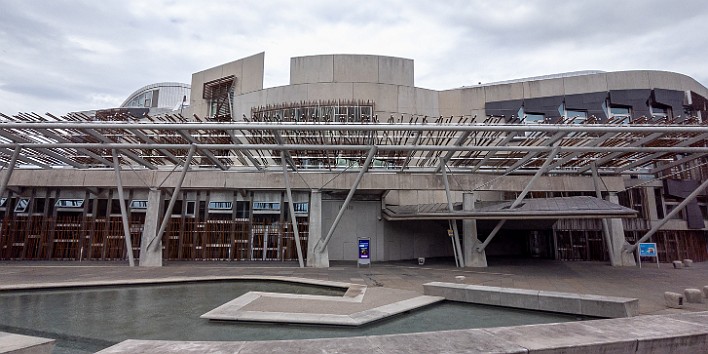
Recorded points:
647,250
364,248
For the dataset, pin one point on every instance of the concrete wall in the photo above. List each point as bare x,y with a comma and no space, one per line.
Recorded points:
413,239
249,78
361,219
351,68
387,81
389,240
411,183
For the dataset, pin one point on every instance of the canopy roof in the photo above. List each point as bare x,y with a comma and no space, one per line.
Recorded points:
492,146
535,208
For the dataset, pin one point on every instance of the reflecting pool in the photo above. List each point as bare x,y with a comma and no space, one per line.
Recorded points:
90,319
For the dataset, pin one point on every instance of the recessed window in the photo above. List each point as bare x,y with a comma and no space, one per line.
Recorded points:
242,209
302,207
21,206
191,207
220,206
139,204
533,118
69,203
658,112
620,115
266,206
2,202
576,117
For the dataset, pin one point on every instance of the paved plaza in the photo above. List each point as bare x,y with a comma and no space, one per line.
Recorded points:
648,284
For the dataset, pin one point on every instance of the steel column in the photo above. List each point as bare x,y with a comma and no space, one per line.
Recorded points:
676,210
521,197
123,212
321,246
10,168
291,208
458,248
173,198
605,225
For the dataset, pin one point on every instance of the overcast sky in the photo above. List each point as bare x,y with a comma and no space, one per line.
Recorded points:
60,56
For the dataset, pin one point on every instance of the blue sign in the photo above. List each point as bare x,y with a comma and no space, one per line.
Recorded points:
647,250
364,248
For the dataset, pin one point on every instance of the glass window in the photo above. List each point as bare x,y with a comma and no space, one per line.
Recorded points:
533,118
658,112
220,205
138,204
621,115
69,203
21,206
576,117
242,209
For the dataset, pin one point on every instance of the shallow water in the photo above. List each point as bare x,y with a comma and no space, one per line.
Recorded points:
90,319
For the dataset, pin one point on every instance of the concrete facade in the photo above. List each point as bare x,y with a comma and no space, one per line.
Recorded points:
387,85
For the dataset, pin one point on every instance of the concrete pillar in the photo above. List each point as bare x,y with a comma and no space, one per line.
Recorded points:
150,247
316,259
617,238
469,236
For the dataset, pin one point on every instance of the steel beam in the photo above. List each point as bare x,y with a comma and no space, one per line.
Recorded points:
52,154
612,156
676,210
148,140
650,158
552,140
548,128
679,162
291,208
284,154
247,153
277,147
173,198
10,168
321,246
491,154
129,154
79,147
459,258
205,151
410,153
605,225
520,198
449,154
123,211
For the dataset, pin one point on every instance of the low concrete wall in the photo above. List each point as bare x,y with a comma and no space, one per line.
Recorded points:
577,304
20,344
684,333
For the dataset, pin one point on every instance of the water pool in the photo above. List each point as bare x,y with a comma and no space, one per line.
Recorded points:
90,319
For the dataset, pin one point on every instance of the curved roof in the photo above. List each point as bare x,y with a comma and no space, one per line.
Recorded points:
180,87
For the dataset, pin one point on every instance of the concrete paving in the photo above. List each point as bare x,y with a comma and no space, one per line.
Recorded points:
685,333
402,282
647,284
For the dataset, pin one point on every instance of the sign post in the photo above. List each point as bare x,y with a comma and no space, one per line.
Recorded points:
648,250
364,252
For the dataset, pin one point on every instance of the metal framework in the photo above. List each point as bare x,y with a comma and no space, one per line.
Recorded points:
78,141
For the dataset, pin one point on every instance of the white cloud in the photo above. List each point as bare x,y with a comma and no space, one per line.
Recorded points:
73,55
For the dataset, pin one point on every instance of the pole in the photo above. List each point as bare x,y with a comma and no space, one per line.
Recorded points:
456,235
291,208
123,211
173,199
690,198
